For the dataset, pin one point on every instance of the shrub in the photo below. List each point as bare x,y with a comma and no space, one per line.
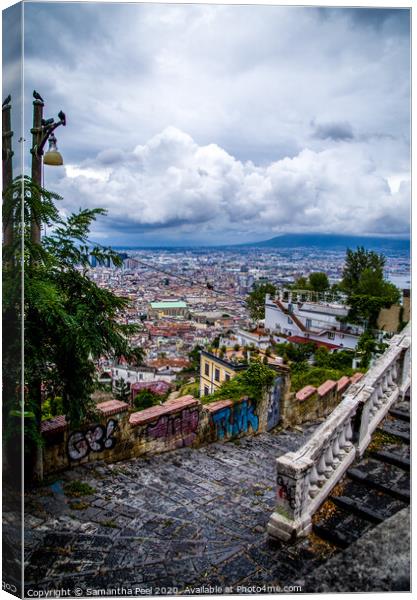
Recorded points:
146,399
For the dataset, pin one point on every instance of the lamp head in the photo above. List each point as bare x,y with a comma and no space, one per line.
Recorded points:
52,157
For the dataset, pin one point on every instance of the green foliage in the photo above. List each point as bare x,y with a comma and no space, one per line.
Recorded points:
316,376
252,382
76,489
122,390
368,291
194,357
255,302
333,360
318,282
367,347
52,407
356,263
69,320
294,352
146,399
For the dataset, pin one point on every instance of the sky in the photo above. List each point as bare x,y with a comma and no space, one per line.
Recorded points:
205,124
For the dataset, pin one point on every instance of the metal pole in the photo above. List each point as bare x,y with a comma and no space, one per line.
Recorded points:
36,151
7,154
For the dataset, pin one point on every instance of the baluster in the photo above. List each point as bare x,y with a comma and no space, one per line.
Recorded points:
321,468
329,460
348,434
337,452
373,403
314,482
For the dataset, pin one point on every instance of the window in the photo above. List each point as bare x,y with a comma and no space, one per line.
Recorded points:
206,369
206,391
226,376
308,323
217,374
330,335
289,321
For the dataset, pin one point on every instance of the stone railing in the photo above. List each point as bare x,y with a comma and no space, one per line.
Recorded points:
306,477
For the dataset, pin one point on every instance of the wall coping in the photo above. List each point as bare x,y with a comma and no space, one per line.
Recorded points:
112,407
54,425
326,387
356,377
305,392
148,415
343,383
215,406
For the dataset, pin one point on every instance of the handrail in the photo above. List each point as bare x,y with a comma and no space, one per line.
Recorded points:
306,477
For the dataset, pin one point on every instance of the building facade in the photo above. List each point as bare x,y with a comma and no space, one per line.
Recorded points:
303,320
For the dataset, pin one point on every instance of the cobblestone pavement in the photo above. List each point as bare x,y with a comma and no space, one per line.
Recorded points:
189,518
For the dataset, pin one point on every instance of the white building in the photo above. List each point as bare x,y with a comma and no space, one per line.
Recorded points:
139,374
296,316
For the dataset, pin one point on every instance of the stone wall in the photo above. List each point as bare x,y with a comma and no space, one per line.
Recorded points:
119,434
311,403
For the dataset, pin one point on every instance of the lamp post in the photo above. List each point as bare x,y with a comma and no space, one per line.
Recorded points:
7,154
42,131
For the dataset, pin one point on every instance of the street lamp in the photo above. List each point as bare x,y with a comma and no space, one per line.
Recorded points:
42,131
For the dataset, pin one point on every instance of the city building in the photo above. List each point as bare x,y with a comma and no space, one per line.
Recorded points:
219,366
167,308
294,315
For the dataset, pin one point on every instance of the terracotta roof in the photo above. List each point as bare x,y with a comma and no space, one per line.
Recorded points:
296,339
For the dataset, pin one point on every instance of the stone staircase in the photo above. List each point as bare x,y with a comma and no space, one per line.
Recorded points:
374,488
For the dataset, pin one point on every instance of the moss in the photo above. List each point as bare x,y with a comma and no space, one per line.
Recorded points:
379,440
78,505
109,523
76,489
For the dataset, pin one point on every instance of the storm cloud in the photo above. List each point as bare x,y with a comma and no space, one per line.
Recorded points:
218,122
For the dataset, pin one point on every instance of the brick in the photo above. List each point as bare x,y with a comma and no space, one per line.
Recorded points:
111,407
305,392
356,377
215,406
154,412
343,383
54,425
326,387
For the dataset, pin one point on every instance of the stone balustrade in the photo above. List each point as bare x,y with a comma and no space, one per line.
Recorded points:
306,477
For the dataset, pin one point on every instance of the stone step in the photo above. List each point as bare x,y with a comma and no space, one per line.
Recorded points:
383,505
400,413
381,476
374,514
397,427
342,528
393,458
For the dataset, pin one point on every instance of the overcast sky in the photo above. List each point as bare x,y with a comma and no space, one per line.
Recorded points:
219,124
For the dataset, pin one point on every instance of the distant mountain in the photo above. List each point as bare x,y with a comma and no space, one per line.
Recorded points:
332,241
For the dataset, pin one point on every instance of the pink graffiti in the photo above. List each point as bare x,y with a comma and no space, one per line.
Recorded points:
183,427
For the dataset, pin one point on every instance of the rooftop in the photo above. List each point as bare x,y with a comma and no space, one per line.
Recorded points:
169,304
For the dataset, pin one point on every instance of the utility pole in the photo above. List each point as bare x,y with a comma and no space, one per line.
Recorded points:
7,154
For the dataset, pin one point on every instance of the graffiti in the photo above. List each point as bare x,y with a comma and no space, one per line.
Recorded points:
182,426
273,404
95,439
285,493
234,420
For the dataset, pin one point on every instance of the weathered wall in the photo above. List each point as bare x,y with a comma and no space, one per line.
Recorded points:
311,403
118,434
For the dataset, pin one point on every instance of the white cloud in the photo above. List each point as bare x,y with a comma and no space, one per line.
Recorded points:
171,180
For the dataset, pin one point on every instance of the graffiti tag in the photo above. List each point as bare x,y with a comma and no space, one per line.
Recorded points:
231,421
94,439
183,427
